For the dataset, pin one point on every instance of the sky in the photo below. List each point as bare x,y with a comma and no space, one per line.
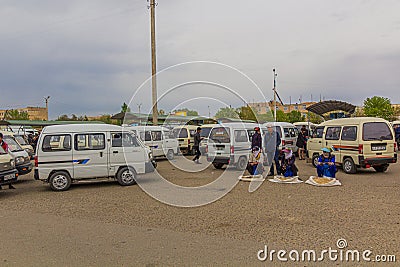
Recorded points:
90,56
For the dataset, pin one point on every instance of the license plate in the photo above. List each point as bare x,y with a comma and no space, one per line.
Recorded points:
220,148
378,148
9,177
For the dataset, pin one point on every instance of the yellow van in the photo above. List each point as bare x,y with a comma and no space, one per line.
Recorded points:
185,136
361,142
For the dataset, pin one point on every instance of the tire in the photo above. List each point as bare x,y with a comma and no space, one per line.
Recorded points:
242,163
60,181
170,154
126,176
349,166
315,160
381,168
218,165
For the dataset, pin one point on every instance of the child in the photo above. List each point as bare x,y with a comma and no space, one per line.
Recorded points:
326,164
288,168
255,165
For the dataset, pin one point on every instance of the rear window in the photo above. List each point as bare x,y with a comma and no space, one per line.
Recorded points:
180,133
205,132
376,131
289,132
220,135
54,143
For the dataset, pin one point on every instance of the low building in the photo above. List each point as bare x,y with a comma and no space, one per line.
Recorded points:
35,113
265,107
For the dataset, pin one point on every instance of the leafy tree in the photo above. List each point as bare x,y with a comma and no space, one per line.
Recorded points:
281,116
378,106
106,119
125,108
14,114
227,113
294,116
314,118
247,113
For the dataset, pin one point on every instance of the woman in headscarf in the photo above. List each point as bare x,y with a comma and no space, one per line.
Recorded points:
288,166
255,165
326,164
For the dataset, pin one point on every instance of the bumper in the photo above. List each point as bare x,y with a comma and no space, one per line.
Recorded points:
24,168
150,166
376,161
8,177
223,160
36,174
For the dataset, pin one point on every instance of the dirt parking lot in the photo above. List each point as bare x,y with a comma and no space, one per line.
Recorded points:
104,224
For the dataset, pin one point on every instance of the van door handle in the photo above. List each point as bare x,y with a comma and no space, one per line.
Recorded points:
326,143
320,142
115,152
101,154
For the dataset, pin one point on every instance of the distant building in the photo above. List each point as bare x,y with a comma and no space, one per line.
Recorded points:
265,107
35,113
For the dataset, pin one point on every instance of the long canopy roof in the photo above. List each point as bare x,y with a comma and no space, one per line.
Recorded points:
321,108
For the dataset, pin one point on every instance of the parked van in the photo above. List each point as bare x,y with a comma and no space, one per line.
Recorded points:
158,139
185,136
23,142
8,172
361,142
21,157
230,143
205,132
74,152
288,134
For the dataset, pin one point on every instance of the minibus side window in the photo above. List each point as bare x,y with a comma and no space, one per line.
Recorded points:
349,133
318,133
90,141
250,133
124,139
240,136
332,133
157,135
54,143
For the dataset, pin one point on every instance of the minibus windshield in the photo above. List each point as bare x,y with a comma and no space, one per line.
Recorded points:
376,131
21,140
12,144
220,135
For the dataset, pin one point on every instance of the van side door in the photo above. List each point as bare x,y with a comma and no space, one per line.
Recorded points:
90,156
348,143
314,144
126,150
157,143
241,143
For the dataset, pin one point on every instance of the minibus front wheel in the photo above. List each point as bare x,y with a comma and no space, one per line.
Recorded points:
60,181
126,176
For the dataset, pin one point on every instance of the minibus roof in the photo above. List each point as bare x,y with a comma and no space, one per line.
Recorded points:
76,128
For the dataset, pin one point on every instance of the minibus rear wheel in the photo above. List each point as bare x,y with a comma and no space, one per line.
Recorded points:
60,181
242,163
126,176
170,154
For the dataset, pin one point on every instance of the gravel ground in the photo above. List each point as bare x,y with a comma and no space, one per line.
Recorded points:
103,223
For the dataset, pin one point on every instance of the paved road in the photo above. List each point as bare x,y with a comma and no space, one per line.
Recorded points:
103,224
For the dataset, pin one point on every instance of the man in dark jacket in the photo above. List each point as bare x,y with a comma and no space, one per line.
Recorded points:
272,140
196,146
256,139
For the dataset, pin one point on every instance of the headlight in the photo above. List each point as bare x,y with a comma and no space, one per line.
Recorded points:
12,163
26,159
19,160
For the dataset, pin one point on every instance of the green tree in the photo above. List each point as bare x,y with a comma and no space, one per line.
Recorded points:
314,118
14,114
247,113
227,113
378,106
106,119
63,117
295,116
125,108
281,116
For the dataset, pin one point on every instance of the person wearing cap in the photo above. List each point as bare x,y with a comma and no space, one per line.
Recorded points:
272,140
256,139
255,165
196,146
288,167
326,164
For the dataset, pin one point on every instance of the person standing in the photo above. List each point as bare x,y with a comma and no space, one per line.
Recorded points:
256,139
272,140
301,143
196,146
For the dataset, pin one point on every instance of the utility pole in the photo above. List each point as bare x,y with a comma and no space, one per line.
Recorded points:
46,99
274,89
153,5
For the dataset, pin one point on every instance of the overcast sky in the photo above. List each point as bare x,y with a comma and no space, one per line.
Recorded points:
90,56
